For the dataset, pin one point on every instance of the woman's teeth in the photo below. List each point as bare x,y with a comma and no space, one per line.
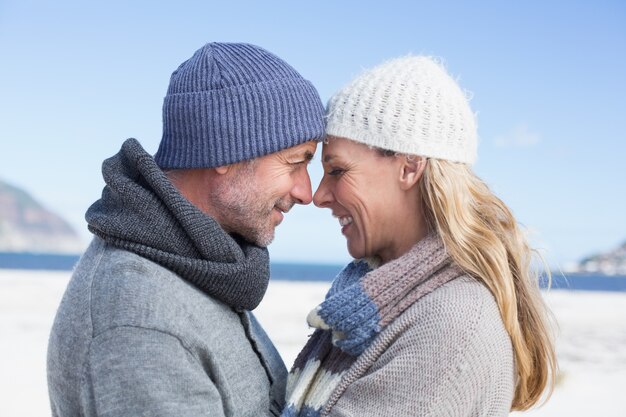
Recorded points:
344,221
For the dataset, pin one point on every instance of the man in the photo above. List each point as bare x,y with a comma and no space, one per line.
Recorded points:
156,318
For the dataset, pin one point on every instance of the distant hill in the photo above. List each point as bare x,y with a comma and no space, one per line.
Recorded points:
26,226
610,263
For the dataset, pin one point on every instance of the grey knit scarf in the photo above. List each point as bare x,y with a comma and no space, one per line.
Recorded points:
142,212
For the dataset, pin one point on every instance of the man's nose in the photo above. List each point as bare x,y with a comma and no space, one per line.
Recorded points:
301,191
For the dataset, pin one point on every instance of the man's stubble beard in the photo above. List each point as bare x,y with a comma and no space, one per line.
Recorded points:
242,209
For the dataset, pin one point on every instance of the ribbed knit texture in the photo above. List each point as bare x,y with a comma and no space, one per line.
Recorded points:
447,355
407,105
141,211
231,102
360,304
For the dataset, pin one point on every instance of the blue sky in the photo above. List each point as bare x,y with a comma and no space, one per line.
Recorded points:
548,81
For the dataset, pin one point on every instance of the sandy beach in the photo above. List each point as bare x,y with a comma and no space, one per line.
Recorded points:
591,341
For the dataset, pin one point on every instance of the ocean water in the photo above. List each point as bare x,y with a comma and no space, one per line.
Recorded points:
559,281
586,282
303,272
38,261
315,272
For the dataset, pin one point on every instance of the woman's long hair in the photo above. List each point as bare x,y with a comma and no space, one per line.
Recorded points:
483,238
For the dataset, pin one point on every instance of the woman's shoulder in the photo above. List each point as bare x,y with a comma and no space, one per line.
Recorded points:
460,311
456,331
460,300
451,348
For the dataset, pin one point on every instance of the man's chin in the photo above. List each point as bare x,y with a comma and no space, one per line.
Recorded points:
264,243
265,240
262,239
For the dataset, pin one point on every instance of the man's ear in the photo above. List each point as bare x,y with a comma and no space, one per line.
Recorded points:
222,169
412,169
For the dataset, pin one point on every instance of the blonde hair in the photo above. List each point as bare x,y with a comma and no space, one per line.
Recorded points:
483,238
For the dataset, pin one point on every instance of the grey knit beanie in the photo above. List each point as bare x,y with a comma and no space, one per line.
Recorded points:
232,102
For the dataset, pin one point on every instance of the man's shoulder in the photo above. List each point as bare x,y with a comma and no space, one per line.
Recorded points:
120,274
130,290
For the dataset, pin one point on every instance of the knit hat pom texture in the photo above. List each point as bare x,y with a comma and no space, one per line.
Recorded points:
407,105
232,102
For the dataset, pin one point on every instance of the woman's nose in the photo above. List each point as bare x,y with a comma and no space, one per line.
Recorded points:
322,197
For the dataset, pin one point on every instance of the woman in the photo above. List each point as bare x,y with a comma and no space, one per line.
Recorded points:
440,313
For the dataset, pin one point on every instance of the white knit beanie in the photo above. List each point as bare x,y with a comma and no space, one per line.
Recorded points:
407,105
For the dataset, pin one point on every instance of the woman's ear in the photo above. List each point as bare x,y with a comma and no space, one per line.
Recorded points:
412,169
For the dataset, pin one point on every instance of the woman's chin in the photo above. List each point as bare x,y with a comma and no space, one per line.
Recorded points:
356,253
